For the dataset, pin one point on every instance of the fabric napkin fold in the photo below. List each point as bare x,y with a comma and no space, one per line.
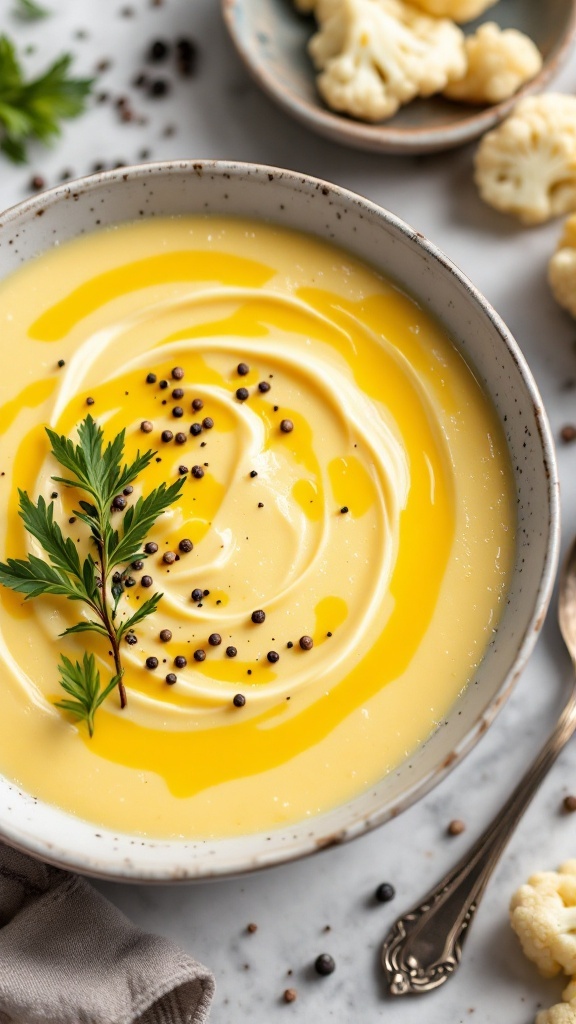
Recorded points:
68,956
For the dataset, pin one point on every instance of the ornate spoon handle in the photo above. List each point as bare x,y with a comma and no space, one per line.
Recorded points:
424,947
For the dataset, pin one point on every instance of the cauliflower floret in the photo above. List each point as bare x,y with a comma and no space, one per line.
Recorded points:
543,915
561,1013
458,10
499,62
527,166
562,268
375,55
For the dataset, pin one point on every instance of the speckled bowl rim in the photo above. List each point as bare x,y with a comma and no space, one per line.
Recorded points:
384,137
107,866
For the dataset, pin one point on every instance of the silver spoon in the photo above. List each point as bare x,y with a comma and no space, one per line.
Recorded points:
424,947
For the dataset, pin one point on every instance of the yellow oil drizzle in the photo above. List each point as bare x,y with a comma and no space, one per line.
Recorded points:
307,494
352,487
29,398
166,268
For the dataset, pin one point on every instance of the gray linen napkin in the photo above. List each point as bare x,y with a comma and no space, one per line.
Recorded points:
68,956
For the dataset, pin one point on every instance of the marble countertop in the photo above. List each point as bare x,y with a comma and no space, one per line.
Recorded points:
325,904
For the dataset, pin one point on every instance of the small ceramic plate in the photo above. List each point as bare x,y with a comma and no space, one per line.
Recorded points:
271,38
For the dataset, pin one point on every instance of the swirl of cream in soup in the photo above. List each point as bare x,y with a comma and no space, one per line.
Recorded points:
302,524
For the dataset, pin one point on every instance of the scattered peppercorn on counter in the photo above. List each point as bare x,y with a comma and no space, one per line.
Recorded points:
334,566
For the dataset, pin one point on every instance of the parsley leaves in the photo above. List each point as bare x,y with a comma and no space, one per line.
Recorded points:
99,473
33,109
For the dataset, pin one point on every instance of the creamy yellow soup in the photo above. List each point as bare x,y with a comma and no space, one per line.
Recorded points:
381,525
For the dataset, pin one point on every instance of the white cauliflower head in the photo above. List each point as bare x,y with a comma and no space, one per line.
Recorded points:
527,166
375,55
562,268
543,915
458,10
561,1013
499,62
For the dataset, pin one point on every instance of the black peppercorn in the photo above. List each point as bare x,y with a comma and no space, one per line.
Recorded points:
152,663
258,616
200,655
178,393
138,565
146,426
385,892
146,581
242,394
197,472
158,51
239,700
177,411
207,423
264,386
159,87
231,652
177,373
169,557
196,594
344,509
151,378
61,363
324,964
129,581
286,426
165,635
171,679
306,643
131,639
273,657
167,435
197,404
214,639
180,438
163,384
185,546
119,503
253,473
196,429
243,369
180,661
182,470
151,547
128,490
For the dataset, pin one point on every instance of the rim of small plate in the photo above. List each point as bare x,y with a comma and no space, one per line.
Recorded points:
107,867
384,137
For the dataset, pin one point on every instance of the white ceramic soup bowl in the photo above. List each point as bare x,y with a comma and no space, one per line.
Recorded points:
376,236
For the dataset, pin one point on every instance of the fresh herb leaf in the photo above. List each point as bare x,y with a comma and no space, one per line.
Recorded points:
28,10
137,522
148,608
82,682
101,473
33,109
33,576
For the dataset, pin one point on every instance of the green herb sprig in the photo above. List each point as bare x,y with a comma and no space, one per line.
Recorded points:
100,474
29,10
33,109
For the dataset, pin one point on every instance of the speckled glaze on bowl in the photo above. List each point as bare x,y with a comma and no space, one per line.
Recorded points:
271,37
370,233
